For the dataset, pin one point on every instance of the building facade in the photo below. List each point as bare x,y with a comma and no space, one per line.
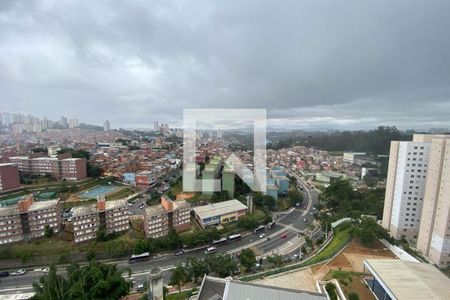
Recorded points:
88,219
219,213
9,177
417,201
28,219
66,168
159,219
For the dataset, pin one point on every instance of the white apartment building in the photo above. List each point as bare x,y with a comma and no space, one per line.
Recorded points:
417,201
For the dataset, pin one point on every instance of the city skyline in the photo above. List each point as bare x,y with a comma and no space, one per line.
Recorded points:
312,65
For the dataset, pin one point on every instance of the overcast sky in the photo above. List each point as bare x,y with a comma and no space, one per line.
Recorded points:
312,64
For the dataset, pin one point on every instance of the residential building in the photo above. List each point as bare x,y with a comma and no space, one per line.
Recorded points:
213,288
88,219
28,219
159,219
66,168
106,126
211,175
145,179
405,188
53,151
349,157
219,213
417,201
228,180
434,232
9,177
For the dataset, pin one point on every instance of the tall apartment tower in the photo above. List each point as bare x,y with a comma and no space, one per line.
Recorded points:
405,188
434,234
417,201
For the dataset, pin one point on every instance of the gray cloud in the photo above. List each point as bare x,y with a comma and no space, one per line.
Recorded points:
318,64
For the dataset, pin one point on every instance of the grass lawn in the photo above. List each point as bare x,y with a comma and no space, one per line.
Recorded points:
183,295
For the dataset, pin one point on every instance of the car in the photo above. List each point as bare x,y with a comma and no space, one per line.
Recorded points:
283,236
305,220
4,274
130,204
19,272
295,257
210,250
262,235
140,287
45,270
179,252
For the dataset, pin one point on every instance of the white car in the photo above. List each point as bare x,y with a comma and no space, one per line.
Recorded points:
262,235
19,272
45,270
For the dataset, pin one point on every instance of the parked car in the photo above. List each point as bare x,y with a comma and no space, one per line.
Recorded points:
179,252
4,274
295,257
19,272
140,287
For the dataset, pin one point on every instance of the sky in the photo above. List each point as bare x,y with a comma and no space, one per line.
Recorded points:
311,64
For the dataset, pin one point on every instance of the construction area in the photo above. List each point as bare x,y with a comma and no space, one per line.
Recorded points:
346,267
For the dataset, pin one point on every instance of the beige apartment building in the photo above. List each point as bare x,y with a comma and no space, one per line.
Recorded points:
28,219
159,219
87,219
417,201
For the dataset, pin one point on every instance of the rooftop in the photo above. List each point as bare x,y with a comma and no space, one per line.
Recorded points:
410,280
227,289
84,210
39,205
8,164
219,208
8,211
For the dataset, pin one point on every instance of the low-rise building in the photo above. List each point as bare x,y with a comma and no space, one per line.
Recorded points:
219,213
159,219
65,168
28,219
9,177
88,219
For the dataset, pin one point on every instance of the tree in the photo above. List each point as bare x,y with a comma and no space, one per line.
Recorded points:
247,258
275,260
48,231
178,277
94,281
221,264
353,296
295,197
331,290
368,231
196,268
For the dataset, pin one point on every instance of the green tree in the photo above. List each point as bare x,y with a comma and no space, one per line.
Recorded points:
353,296
295,197
178,277
94,281
221,264
196,268
247,258
368,231
48,231
275,260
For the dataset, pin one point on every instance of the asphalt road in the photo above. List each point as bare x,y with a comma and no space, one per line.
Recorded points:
284,232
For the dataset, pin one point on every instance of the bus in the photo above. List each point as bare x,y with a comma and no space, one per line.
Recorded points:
259,229
210,250
270,225
139,257
220,242
234,237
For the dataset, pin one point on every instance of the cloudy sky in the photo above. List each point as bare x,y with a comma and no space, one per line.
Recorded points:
312,64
